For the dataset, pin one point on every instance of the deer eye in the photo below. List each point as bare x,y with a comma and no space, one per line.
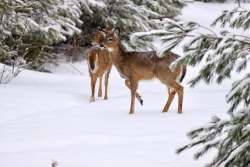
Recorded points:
110,39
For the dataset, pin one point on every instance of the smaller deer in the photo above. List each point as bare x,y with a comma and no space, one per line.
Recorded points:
99,63
137,66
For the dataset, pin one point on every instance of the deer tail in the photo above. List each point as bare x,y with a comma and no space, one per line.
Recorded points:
183,72
93,60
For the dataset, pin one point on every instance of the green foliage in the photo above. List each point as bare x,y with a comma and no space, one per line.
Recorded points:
129,15
162,7
171,35
237,18
239,93
29,28
90,24
230,137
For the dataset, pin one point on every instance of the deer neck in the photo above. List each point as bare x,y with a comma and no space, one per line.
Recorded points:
117,52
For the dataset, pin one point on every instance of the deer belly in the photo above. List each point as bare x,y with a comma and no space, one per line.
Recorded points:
121,72
145,73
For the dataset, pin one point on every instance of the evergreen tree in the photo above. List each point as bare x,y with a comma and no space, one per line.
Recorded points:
222,54
29,28
129,15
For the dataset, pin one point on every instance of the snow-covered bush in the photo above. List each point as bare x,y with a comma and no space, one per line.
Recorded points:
30,28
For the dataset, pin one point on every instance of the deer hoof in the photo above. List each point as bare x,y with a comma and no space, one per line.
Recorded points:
141,102
92,99
99,94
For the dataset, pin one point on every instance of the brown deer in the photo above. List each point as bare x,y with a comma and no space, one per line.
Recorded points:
136,66
99,63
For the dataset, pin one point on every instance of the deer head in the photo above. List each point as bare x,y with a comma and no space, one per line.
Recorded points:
112,39
99,36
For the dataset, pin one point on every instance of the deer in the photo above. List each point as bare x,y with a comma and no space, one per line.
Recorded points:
136,66
99,64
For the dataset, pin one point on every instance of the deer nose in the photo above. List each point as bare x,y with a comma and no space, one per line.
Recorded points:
101,45
93,43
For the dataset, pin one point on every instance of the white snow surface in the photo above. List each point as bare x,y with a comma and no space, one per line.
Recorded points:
48,116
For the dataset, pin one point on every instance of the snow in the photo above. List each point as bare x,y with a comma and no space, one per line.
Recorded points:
236,152
48,116
206,13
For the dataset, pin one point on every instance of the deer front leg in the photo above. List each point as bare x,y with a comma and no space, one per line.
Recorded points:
106,84
93,83
171,94
133,89
137,95
100,87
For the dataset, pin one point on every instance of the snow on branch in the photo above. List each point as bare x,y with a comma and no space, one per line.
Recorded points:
230,137
240,93
172,34
237,18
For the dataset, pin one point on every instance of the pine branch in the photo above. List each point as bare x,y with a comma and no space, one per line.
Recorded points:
233,147
237,18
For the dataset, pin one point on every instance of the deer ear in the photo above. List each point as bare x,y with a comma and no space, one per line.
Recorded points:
117,30
102,29
99,28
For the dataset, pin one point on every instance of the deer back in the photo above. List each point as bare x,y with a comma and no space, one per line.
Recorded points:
99,60
139,65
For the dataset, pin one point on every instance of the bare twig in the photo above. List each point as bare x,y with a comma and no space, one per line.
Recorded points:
3,71
54,163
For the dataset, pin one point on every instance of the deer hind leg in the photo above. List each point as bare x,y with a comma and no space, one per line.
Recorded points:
93,83
100,87
137,95
106,83
179,89
134,85
180,99
171,94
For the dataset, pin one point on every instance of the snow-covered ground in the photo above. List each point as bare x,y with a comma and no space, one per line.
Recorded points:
48,116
